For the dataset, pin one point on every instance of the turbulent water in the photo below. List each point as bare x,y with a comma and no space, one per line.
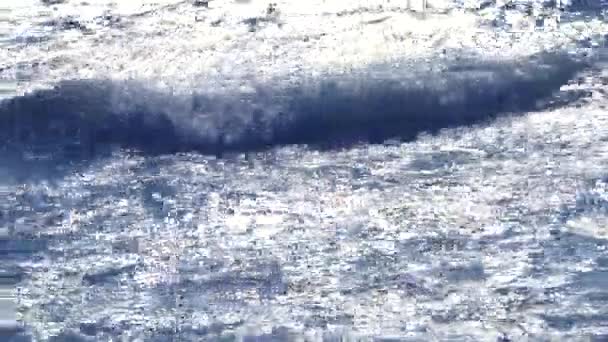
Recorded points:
166,189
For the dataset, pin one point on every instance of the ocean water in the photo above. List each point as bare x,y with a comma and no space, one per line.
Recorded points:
336,171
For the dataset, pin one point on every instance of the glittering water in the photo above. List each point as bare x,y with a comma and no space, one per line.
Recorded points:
455,199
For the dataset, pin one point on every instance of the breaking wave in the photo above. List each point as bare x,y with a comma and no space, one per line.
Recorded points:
371,105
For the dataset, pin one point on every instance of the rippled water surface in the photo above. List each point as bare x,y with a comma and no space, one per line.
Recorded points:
452,199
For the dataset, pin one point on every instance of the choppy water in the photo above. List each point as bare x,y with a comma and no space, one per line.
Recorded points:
450,200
